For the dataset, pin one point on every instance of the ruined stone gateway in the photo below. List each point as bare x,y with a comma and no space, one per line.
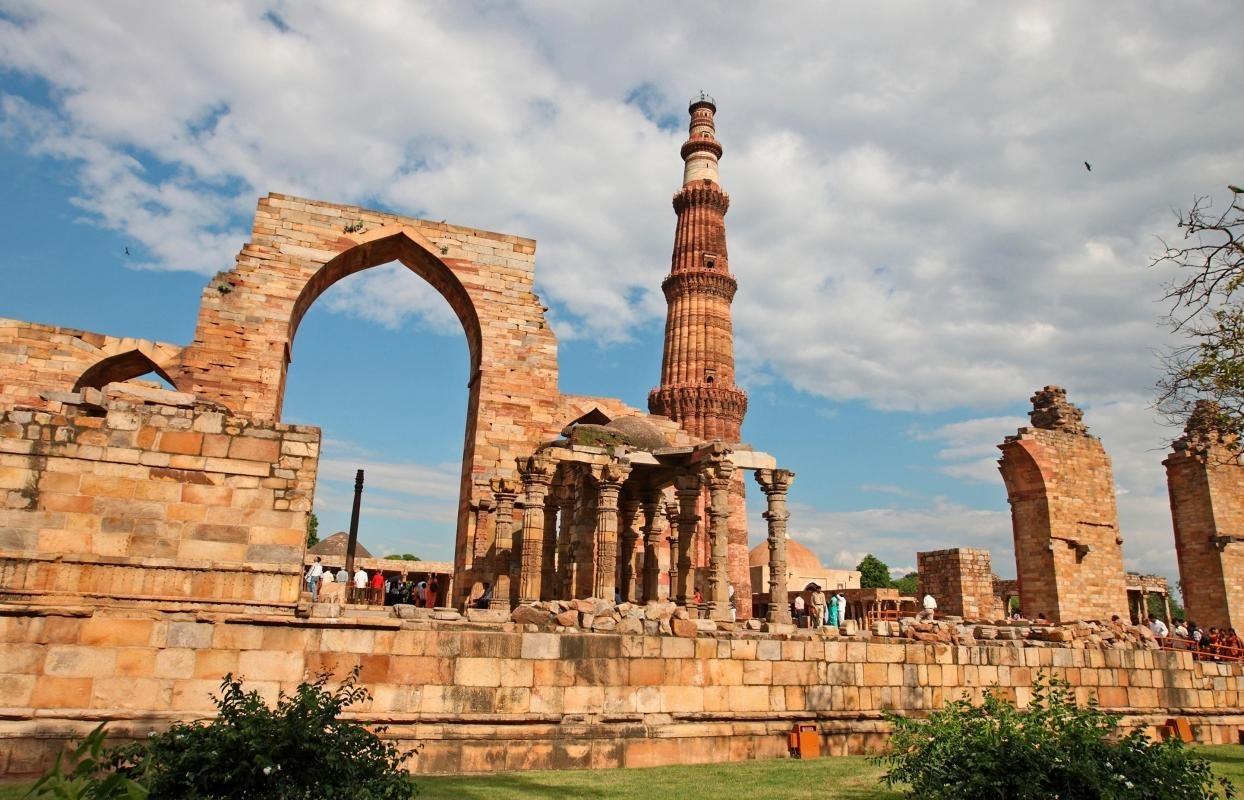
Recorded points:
153,540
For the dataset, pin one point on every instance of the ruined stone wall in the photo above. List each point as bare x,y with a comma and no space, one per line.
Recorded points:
961,580
479,699
1206,486
1068,550
41,358
116,498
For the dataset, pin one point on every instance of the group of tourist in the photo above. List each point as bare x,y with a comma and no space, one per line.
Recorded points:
1218,644
374,589
817,610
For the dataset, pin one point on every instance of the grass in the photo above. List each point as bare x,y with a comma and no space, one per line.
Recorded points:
842,778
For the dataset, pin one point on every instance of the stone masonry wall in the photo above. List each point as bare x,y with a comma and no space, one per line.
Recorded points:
1068,551
961,580
139,495
480,699
1206,483
41,358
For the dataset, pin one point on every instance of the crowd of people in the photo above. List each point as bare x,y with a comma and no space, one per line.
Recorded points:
816,610
374,588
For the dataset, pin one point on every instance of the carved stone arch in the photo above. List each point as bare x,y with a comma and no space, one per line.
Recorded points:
120,367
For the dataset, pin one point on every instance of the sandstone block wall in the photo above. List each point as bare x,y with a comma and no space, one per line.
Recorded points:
41,358
480,699
110,497
1068,549
1206,485
961,580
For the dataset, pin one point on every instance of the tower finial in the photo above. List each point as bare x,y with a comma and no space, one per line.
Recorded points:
701,150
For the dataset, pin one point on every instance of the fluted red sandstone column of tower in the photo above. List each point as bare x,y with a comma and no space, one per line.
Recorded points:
697,368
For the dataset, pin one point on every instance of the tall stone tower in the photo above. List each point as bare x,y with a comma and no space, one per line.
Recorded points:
697,368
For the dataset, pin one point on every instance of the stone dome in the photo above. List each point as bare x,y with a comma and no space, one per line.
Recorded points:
335,546
639,432
799,559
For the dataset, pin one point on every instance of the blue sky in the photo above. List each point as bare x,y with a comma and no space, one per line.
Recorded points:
917,242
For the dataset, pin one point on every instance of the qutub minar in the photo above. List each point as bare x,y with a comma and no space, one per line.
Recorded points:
153,540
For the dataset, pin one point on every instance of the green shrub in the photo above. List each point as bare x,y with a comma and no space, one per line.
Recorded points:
298,750
1053,749
86,774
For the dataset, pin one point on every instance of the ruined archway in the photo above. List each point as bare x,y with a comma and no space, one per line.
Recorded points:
120,367
249,316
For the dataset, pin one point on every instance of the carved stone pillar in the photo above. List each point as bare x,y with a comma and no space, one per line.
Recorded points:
608,487
537,475
626,558
688,484
504,491
548,561
718,475
775,483
672,511
652,547
483,531
564,588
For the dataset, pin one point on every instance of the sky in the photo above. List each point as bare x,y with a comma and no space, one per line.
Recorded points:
918,242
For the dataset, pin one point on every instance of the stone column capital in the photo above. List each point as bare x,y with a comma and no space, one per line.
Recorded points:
536,469
775,480
613,474
504,489
719,472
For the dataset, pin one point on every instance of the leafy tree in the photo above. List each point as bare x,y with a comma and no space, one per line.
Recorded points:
87,774
1206,310
300,749
874,573
1054,748
908,585
313,530
403,557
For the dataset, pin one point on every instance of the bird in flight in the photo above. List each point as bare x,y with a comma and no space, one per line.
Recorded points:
1088,166
127,251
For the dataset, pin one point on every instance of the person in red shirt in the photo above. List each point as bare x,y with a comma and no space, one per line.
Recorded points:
434,591
377,588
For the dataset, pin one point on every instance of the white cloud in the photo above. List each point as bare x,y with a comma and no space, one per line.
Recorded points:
912,226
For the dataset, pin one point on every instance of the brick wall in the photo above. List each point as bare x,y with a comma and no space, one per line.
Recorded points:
111,496
481,700
1068,552
1205,480
961,580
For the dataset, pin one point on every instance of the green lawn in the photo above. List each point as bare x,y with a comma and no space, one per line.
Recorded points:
850,778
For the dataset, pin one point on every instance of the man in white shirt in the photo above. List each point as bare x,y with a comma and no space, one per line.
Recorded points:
930,606
313,578
801,608
1180,629
1158,627
343,576
360,585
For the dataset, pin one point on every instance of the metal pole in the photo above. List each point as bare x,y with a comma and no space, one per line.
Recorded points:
354,523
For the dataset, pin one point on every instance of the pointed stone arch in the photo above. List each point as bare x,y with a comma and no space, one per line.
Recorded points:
120,367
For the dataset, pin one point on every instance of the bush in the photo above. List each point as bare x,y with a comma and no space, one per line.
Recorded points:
1053,749
86,774
298,750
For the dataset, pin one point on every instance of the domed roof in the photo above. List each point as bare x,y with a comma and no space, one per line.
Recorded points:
799,559
639,432
336,545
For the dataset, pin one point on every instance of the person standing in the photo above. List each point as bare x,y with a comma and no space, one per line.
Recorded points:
930,607
842,607
833,612
801,610
313,578
434,590
376,596
818,606
360,585
343,576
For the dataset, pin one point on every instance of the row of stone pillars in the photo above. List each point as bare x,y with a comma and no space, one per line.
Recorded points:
548,567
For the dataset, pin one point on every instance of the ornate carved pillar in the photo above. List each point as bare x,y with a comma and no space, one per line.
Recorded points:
504,491
652,547
775,483
688,489
548,561
672,511
718,476
626,558
483,531
563,589
537,474
608,487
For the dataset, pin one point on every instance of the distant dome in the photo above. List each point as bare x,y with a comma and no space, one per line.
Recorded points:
799,559
639,432
336,545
